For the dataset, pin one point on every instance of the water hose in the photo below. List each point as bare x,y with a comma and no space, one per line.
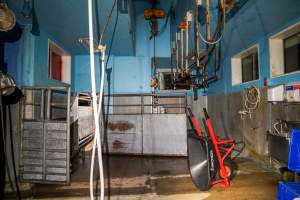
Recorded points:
97,139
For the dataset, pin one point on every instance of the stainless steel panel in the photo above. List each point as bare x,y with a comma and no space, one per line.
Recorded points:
32,161
33,144
56,178
27,176
56,144
33,154
85,121
31,125
56,155
36,134
58,163
165,134
56,126
55,170
125,134
56,135
36,169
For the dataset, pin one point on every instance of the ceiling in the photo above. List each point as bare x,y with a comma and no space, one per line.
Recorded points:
67,21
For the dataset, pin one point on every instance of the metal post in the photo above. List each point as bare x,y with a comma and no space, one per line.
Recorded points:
176,48
181,48
49,104
197,37
42,103
208,13
68,133
187,45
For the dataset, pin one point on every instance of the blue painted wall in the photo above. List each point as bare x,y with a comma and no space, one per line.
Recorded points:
253,24
10,57
41,67
130,74
28,59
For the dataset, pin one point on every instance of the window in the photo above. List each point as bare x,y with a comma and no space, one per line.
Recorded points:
285,51
245,66
292,53
166,81
59,63
250,67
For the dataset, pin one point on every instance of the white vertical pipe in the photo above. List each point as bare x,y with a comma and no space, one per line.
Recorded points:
97,140
187,45
181,48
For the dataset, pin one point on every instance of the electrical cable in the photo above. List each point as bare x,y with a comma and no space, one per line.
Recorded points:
224,24
112,39
97,139
107,19
13,153
3,130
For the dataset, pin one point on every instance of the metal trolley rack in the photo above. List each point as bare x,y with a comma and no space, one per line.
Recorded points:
45,135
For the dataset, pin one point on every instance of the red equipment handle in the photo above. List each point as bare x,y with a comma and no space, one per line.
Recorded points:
205,113
195,124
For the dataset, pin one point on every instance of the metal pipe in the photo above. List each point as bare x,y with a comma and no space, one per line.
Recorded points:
181,48
208,13
187,45
197,37
177,53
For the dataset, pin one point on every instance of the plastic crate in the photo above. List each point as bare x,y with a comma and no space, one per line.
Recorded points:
294,154
288,191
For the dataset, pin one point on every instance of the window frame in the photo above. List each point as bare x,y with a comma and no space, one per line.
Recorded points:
66,62
236,65
276,51
284,53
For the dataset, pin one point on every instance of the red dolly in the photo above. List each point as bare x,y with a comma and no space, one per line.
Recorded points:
209,155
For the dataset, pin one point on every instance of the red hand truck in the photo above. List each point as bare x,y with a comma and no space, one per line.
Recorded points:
209,155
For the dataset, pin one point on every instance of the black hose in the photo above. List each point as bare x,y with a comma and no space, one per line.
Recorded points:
3,130
106,22
13,153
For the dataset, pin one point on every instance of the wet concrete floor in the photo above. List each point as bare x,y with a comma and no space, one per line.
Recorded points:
161,178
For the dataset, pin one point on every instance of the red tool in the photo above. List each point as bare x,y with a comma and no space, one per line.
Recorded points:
222,150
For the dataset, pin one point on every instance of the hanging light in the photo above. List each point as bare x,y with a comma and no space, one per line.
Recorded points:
7,84
9,92
27,10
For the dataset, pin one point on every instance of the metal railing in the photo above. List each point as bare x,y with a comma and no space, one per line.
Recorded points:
132,104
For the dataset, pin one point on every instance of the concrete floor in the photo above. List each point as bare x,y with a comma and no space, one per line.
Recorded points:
143,178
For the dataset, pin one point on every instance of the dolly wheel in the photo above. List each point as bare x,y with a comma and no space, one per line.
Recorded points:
231,168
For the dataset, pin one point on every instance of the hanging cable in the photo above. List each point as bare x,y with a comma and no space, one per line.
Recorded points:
224,24
107,19
13,153
97,139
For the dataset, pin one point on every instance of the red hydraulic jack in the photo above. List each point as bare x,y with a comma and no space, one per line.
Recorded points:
216,152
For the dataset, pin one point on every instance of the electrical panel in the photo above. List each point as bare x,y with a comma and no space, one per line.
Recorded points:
288,93
276,93
292,92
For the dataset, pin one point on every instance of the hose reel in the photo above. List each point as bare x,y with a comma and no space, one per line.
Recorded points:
7,18
252,98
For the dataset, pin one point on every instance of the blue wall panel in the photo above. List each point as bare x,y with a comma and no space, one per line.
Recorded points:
253,24
41,66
